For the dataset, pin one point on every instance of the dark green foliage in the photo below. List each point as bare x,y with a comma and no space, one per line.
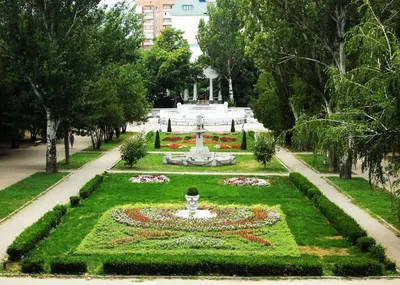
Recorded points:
157,142
343,223
377,252
313,192
244,141
357,267
187,138
192,191
74,200
32,235
251,134
32,265
68,265
235,265
233,126
365,243
389,265
133,149
214,138
264,148
91,186
169,129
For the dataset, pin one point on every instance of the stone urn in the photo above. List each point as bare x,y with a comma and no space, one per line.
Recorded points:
192,202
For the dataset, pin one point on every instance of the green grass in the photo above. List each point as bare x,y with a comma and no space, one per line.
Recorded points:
307,225
237,136
78,159
244,163
111,144
16,195
376,199
316,161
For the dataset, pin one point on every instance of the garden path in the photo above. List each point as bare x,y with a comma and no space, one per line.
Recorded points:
383,236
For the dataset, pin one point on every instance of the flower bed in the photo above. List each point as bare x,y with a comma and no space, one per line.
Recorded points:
245,181
149,179
172,139
227,139
227,146
173,145
204,141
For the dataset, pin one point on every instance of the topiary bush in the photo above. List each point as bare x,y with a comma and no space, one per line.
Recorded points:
192,191
169,128
357,267
365,243
215,138
90,186
32,235
377,252
133,149
74,201
32,265
243,146
68,265
157,141
233,126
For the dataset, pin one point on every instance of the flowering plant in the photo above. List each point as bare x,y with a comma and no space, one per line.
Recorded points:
227,146
245,181
172,139
173,145
227,139
149,179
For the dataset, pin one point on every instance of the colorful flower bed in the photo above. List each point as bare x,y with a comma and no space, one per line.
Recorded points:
245,181
172,139
227,139
173,145
149,179
204,141
227,146
204,136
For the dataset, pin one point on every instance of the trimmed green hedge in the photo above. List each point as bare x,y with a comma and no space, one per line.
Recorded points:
357,267
32,265
365,243
91,186
342,222
74,201
242,266
68,265
32,235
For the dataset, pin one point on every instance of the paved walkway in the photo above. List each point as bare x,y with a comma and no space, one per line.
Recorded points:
383,236
20,163
175,281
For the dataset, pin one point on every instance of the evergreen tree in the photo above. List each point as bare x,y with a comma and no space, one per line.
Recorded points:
233,126
157,142
244,141
169,129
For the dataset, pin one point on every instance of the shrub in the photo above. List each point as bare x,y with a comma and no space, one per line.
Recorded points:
234,265
233,126
68,266
133,149
365,243
169,129
90,186
357,267
231,103
313,192
192,191
264,148
187,138
32,265
377,252
251,134
389,265
74,201
32,235
215,138
244,141
157,141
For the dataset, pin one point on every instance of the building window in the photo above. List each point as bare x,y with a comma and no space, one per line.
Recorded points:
187,7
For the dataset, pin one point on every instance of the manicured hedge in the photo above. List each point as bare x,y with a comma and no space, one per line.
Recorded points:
343,223
33,265
91,186
68,265
365,243
74,201
32,235
235,265
357,267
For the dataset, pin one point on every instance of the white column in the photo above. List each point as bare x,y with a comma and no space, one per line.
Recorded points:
211,99
219,93
186,96
195,93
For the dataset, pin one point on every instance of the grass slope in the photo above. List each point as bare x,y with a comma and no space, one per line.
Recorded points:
77,160
111,144
16,195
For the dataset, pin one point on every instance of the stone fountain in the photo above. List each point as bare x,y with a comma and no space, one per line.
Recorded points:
199,155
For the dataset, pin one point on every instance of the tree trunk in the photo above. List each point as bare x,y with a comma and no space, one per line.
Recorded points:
124,127
117,132
347,161
333,162
66,145
51,150
230,81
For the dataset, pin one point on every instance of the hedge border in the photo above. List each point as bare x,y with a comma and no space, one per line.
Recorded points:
91,186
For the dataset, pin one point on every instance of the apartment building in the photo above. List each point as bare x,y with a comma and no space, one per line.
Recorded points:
157,16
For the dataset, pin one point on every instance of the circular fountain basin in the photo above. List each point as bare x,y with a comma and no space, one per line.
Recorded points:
198,214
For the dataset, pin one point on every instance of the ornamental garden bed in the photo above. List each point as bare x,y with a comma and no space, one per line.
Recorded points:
215,141
126,228
244,163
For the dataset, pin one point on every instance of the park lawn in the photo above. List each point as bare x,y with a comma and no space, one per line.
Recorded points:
16,195
244,163
308,227
316,161
78,159
113,143
186,146
375,199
